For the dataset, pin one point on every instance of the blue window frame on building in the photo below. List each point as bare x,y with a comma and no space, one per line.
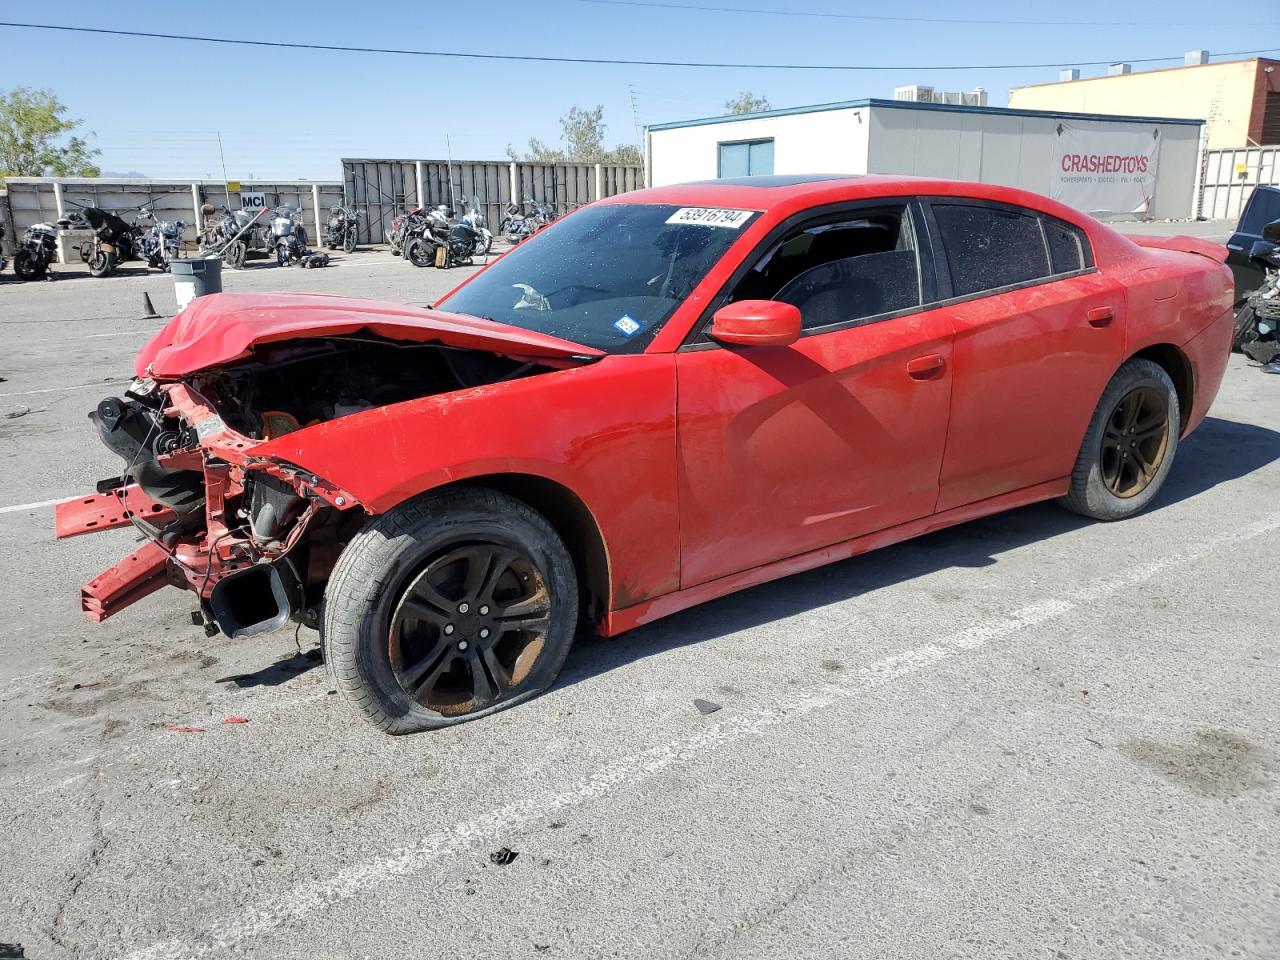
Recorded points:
745,158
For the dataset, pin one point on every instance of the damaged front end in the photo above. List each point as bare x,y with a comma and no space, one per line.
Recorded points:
254,537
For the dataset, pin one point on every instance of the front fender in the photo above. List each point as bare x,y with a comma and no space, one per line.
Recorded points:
605,432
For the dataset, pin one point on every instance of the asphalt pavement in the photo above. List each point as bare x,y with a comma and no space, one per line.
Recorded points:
1029,736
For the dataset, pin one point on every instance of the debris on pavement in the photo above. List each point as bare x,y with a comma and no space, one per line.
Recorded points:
706,706
179,728
235,718
16,412
85,686
503,857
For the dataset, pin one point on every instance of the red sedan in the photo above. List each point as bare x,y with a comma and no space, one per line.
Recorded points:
660,399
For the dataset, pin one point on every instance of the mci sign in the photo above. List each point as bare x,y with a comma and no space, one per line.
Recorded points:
253,202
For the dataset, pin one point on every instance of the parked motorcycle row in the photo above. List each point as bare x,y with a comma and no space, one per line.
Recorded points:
279,233
1258,321
519,225
438,238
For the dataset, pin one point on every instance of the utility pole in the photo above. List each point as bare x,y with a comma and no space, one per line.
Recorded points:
226,185
635,113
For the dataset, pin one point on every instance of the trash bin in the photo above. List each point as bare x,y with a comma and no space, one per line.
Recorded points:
195,277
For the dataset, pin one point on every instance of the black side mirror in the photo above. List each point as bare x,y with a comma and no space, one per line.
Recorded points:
1272,231
1265,252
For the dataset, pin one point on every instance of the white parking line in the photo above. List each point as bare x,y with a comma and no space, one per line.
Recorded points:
78,386
19,507
226,935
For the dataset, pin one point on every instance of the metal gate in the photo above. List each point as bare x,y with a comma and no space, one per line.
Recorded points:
381,190
1227,179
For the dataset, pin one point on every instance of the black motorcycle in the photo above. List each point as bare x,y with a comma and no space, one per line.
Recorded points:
1257,331
449,243
340,229
115,241
36,250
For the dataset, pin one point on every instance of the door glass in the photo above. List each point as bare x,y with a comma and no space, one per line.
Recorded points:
840,272
990,247
1066,246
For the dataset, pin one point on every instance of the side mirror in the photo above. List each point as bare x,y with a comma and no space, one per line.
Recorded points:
1265,252
756,323
1272,231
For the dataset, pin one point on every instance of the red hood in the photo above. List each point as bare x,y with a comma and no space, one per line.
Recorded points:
224,327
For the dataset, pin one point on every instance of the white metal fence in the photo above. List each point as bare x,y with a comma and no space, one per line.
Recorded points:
45,199
1227,179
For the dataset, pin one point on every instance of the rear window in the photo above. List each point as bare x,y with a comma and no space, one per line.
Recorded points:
1264,207
990,247
1067,246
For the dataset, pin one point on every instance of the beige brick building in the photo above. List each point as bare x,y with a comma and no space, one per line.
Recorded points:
1239,99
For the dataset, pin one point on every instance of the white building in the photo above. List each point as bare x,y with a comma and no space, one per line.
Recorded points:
1105,165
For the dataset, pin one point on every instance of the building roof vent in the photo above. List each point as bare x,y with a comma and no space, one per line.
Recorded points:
1065,76
1119,69
1195,58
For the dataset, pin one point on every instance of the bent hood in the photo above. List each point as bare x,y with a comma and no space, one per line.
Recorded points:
224,327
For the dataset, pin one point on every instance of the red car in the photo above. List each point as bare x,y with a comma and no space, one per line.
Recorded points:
664,397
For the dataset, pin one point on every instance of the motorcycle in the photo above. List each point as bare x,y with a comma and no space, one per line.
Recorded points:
3,261
149,239
234,235
404,227
341,228
288,236
450,243
1257,332
36,250
520,226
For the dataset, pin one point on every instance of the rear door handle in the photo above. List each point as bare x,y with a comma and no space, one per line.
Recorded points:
1101,316
926,368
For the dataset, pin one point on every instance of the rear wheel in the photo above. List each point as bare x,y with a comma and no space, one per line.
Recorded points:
450,607
1129,446
420,253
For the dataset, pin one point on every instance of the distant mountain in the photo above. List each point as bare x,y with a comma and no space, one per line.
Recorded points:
131,175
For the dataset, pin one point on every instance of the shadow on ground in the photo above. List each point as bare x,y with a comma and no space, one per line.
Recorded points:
1218,452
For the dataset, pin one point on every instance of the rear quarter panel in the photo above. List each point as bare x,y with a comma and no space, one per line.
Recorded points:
605,431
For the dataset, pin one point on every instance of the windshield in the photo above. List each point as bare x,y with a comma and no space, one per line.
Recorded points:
607,276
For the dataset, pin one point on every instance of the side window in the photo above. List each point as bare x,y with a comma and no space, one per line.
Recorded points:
1264,207
842,271
1068,246
746,158
990,247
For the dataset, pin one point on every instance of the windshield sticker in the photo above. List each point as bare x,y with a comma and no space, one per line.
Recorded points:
626,325
711,217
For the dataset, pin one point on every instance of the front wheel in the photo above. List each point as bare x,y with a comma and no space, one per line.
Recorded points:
449,607
102,264
349,242
1129,446
28,266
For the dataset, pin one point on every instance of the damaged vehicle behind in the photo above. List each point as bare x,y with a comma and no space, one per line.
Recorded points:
660,399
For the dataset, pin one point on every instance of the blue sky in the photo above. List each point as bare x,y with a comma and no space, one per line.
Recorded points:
285,113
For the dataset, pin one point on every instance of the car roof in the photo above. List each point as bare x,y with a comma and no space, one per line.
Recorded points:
798,192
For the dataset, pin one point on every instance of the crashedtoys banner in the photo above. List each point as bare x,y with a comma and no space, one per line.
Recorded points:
1099,169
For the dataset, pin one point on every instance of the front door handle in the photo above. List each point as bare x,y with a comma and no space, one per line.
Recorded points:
1101,316
926,368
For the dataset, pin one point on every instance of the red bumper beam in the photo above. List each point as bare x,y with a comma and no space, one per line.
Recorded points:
138,575
102,511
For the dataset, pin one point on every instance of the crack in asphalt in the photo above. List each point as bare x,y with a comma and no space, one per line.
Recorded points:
92,859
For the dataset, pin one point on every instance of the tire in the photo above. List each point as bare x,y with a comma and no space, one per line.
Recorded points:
1106,483
420,253
28,267
349,242
1246,326
282,255
102,264
374,637
235,254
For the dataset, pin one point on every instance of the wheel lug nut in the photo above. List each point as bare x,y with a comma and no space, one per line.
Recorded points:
464,607
484,633
448,629
462,644
484,610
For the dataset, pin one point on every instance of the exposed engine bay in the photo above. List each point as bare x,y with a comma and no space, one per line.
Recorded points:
253,535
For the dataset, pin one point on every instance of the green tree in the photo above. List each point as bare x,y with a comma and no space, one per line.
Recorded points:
33,124
746,102
582,133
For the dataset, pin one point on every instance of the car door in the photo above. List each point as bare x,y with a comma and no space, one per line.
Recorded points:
1038,333
784,450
